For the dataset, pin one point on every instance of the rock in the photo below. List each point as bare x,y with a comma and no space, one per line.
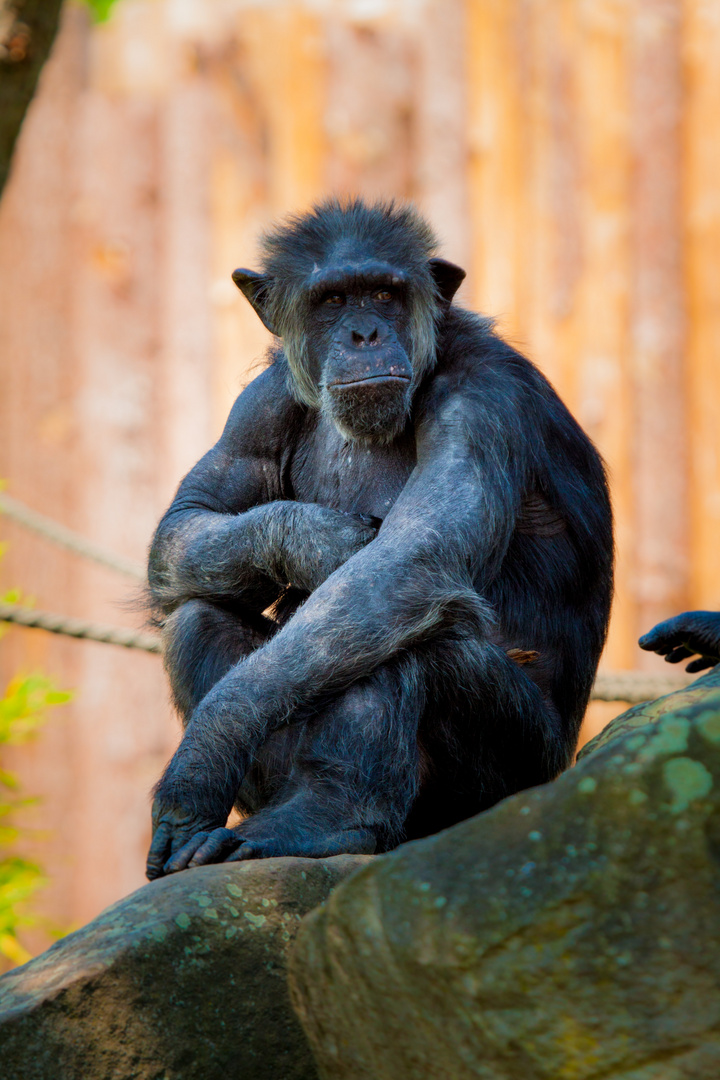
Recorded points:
704,692
183,979
573,931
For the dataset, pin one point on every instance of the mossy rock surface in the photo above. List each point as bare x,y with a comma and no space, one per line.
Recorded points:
570,933
184,979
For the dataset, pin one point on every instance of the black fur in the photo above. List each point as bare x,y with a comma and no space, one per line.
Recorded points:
680,638
409,675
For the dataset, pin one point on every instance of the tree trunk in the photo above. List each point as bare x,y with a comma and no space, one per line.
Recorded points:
27,31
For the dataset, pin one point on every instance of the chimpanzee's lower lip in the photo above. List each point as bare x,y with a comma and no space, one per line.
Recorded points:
374,379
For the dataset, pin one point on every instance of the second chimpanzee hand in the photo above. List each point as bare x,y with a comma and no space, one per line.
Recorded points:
207,846
314,541
684,636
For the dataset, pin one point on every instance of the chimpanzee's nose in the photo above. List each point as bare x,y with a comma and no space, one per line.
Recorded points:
365,338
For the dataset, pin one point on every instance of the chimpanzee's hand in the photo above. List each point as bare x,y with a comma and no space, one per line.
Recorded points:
685,635
173,827
317,541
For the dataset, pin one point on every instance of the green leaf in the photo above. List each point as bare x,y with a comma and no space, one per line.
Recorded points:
100,9
22,713
23,706
8,780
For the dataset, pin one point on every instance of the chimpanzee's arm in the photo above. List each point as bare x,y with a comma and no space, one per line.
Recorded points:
683,636
450,527
250,556
229,535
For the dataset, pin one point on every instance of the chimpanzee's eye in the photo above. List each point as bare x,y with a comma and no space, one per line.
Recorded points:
334,298
383,295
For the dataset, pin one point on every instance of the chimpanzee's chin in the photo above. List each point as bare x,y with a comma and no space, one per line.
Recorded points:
368,413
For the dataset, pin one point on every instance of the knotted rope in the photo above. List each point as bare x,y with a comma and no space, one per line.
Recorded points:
632,687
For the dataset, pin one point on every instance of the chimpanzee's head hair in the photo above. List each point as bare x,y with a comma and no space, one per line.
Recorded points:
357,253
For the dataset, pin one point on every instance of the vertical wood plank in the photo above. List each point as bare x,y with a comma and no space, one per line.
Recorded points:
238,210
240,339
286,61
185,269
440,186
555,247
498,161
368,106
39,426
121,713
657,328
603,396
80,245
701,155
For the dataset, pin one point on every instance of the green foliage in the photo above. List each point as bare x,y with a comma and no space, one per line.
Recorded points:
100,9
22,712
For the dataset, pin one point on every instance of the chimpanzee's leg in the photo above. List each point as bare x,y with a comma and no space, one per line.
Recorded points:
489,730
352,778
429,739
355,773
201,642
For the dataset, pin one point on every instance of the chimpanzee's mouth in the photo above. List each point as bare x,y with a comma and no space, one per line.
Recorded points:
374,380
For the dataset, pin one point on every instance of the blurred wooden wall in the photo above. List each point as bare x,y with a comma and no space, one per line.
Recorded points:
568,154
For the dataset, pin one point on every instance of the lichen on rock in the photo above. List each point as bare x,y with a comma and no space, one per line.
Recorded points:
183,980
570,933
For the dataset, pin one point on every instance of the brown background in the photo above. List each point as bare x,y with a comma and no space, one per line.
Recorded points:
568,154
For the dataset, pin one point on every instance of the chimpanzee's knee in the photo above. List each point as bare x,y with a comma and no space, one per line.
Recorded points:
360,753
201,642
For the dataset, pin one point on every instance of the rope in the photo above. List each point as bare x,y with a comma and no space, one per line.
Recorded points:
632,687
67,538
79,628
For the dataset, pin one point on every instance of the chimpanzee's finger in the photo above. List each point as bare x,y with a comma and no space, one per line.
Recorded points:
181,858
245,851
370,520
679,653
701,664
663,637
158,853
214,849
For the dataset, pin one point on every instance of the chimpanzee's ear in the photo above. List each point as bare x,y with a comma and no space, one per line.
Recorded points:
448,278
255,288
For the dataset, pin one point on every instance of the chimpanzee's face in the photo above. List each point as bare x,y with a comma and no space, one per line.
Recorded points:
359,347
356,300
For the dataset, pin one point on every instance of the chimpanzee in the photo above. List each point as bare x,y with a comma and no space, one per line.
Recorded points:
384,592
683,636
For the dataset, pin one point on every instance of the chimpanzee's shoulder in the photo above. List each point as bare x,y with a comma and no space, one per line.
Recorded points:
265,415
470,347
473,359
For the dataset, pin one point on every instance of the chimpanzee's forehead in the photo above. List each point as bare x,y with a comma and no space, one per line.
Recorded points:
353,236
351,249
356,275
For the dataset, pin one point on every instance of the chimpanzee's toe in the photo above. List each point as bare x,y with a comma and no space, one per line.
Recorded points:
319,844
216,846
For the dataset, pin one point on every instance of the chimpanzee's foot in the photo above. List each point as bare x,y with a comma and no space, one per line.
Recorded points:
272,833
311,842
